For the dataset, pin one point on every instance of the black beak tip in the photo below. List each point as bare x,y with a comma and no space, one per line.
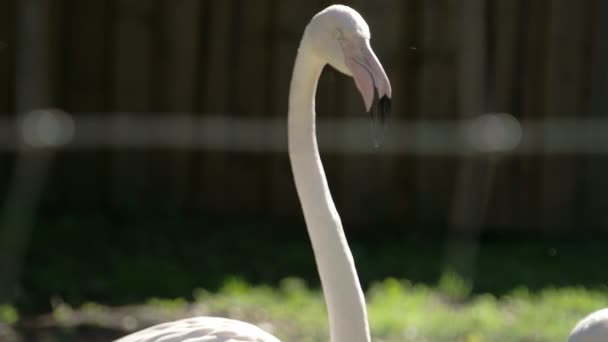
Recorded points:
381,109
384,106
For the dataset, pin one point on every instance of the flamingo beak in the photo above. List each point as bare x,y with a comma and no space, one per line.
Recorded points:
371,80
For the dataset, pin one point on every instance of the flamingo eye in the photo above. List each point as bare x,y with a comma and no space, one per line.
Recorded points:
339,35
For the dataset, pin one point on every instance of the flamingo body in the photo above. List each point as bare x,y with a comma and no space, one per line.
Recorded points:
593,328
201,329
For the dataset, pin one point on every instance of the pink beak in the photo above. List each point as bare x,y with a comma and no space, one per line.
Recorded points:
373,84
370,77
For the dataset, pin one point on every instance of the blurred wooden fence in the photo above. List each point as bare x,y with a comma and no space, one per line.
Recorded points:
445,58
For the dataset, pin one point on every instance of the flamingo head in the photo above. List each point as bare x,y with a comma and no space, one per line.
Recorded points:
341,38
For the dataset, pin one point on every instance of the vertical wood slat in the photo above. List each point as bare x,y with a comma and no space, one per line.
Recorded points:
474,176
520,198
271,94
7,76
437,100
406,101
595,206
251,84
468,200
132,92
53,76
176,55
563,85
532,94
216,85
83,89
34,79
195,193
180,42
501,214
133,38
391,32
7,53
85,56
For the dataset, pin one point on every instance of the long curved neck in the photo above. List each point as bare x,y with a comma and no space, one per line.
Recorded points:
343,294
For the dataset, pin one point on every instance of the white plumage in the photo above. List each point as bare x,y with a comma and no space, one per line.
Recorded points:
201,329
337,36
593,328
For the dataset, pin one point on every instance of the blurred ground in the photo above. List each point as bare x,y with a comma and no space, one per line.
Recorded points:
399,311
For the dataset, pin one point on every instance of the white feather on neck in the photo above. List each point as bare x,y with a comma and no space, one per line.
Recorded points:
343,294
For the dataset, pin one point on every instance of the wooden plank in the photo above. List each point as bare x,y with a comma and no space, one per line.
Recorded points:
133,55
468,203
503,58
532,96
404,63
506,30
564,82
175,58
7,53
83,89
215,90
270,109
437,99
178,43
85,56
248,188
474,175
406,106
196,188
7,77
132,92
595,207
34,57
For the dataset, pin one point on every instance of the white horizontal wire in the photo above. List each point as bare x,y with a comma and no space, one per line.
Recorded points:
488,133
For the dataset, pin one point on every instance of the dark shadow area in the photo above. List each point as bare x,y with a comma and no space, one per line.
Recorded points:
130,256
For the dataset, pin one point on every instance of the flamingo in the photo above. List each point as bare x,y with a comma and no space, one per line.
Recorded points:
340,37
592,328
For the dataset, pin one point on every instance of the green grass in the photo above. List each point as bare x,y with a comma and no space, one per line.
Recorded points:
111,271
8,314
398,311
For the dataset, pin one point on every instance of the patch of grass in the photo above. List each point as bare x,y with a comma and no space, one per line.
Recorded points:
169,305
63,313
398,310
402,311
8,314
454,286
